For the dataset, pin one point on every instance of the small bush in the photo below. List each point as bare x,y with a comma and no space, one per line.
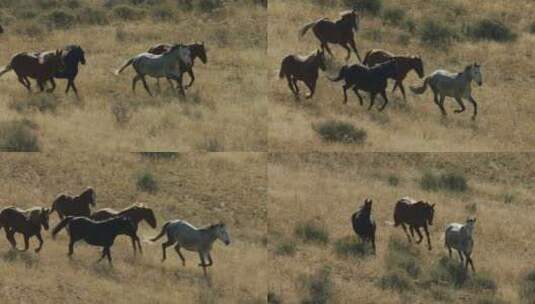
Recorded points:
448,271
410,25
350,246
490,29
396,280
482,282
531,27
40,102
373,7
146,182
93,16
393,180
162,13
393,16
208,6
527,288
338,131
122,112
319,287
509,197
128,13
273,298
286,248
437,34
403,257
447,181
59,19
404,39
18,136
312,231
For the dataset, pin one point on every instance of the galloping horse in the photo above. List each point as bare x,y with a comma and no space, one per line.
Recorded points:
34,66
27,222
364,224
135,213
157,66
405,65
196,49
66,205
184,235
416,215
72,56
305,69
372,80
338,32
100,234
456,85
459,236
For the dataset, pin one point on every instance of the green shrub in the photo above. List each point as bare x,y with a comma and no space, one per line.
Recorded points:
40,102
93,16
162,13
481,281
273,298
437,34
403,257
393,15
490,29
396,280
410,25
454,182
26,13
393,180
448,271
59,19
319,287
373,7
312,231
146,182
208,6
339,131
350,246
286,248
527,288
128,13
18,136
531,27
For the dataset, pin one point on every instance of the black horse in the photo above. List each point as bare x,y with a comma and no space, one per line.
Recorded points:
372,80
72,56
95,233
416,214
364,224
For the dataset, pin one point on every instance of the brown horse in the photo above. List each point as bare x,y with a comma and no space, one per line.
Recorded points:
305,69
34,66
66,205
337,32
27,222
135,213
405,65
196,49
416,214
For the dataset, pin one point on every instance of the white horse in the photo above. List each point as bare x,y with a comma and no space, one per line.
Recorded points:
184,235
459,237
457,85
157,66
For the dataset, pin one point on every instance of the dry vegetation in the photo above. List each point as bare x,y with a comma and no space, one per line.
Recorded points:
447,34
317,193
225,110
201,188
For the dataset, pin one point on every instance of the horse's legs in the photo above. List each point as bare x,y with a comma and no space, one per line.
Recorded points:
294,81
177,249
133,238
440,103
383,93
138,241
325,46
10,235
201,256
210,262
53,85
372,100
312,87
145,84
419,235
406,233
40,239
41,85
345,87
134,81
460,256
449,251
164,247
22,80
354,47
71,247
290,85
348,51
26,242
427,235
461,104
192,78
400,85
361,101
469,259
103,255
372,238
108,253
73,86
472,100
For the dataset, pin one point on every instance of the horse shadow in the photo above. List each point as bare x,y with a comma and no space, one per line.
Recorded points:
13,255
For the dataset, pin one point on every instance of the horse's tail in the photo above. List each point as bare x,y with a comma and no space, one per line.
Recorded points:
164,228
282,72
307,26
353,221
6,69
367,57
341,74
61,225
124,66
420,90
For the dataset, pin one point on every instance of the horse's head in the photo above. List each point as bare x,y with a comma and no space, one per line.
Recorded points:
430,213
221,233
198,50
39,217
90,196
475,73
320,58
351,18
367,205
418,65
148,215
77,54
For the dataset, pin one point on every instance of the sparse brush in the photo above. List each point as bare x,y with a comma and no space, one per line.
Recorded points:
339,131
319,287
19,136
312,231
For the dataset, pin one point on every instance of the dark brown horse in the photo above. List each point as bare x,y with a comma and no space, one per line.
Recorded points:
337,32
27,222
364,224
40,68
135,213
73,55
405,65
66,205
372,80
197,51
305,69
416,214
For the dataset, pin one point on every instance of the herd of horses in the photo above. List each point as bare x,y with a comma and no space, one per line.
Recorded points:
101,227
371,74
169,61
417,214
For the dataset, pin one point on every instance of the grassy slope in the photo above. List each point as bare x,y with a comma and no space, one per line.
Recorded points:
200,188
505,118
226,108
331,187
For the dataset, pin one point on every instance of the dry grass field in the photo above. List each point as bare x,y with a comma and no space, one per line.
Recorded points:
201,188
225,110
319,192
505,121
